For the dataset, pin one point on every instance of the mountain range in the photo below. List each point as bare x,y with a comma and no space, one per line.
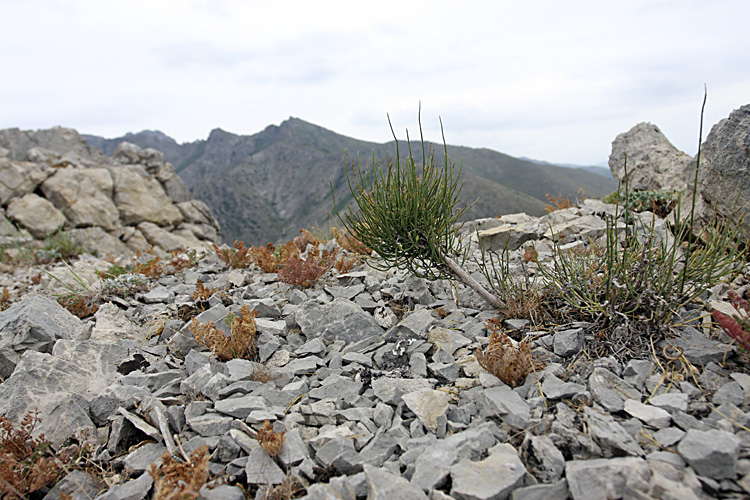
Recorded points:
265,187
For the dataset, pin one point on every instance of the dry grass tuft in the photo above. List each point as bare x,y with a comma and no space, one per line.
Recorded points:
508,362
270,441
177,481
349,242
201,293
239,344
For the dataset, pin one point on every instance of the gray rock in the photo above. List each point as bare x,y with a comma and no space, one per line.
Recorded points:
210,424
34,323
649,415
509,405
222,492
84,196
240,407
669,436
554,388
35,214
637,371
568,342
555,491
494,477
262,469
79,485
671,401
602,479
336,386
59,384
652,161
610,390
142,457
339,319
723,176
731,393
712,453
383,485
130,490
543,459
390,390
428,405
610,435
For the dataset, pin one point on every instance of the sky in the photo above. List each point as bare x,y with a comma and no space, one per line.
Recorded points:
549,80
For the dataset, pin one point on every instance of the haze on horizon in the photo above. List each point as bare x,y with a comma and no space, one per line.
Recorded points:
554,81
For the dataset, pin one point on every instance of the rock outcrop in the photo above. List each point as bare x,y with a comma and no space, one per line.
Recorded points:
652,161
51,180
724,173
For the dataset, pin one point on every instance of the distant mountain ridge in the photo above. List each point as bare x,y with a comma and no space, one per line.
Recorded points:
265,187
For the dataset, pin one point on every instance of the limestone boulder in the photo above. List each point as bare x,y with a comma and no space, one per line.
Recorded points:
18,178
173,185
724,173
652,161
128,153
141,198
38,215
84,196
180,239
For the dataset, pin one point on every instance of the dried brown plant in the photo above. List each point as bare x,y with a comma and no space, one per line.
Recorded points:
80,305
201,293
305,272
345,263
305,239
4,299
269,440
153,268
180,481
349,242
236,258
508,362
27,463
530,254
241,340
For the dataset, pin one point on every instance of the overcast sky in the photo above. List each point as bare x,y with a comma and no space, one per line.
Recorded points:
551,80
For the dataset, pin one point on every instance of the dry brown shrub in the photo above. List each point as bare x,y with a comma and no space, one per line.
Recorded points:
304,273
80,305
557,203
26,463
263,375
4,299
349,242
241,340
344,263
177,481
270,441
305,239
201,293
236,258
530,254
153,268
508,362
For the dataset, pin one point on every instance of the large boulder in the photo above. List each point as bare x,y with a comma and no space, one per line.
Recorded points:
38,215
18,178
652,161
84,196
141,198
724,172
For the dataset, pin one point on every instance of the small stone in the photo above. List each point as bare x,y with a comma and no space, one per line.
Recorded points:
671,401
544,459
669,436
428,405
130,490
509,405
262,469
494,477
554,388
568,342
731,392
383,485
650,415
712,453
604,478
610,390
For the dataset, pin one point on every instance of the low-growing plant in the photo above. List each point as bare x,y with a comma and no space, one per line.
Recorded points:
661,201
560,203
305,272
202,293
736,326
407,213
507,361
637,275
237,257
270,441
27,463
174,480
239,344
